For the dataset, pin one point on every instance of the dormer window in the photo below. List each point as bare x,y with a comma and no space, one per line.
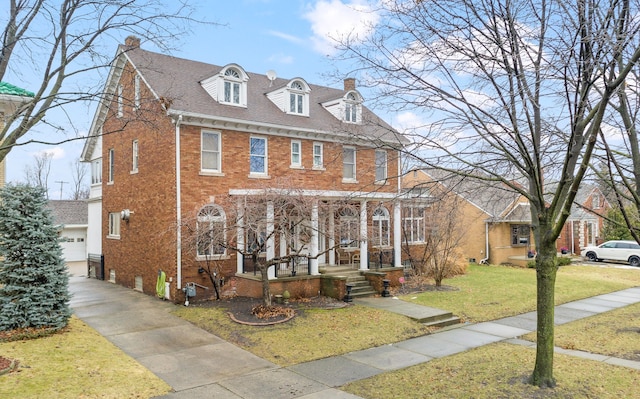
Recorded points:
297,98
228,86
351,108
232,86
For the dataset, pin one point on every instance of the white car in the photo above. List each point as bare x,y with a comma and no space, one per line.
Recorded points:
625,251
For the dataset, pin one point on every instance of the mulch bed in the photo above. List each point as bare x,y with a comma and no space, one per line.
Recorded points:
249,311
416,284
7,365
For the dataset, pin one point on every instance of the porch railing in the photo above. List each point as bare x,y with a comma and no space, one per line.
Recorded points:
381,258
297,265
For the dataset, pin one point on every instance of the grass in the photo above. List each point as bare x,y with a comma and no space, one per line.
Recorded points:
75,363
492,292
499,371
313,335
613,333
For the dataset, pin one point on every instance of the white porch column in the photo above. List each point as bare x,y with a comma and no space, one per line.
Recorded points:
363,236
332,236
271,250
240,238
397,234
313,245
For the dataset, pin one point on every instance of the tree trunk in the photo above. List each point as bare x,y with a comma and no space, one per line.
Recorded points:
266,291
546,279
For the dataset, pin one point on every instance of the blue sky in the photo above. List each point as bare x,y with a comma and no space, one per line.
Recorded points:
291,37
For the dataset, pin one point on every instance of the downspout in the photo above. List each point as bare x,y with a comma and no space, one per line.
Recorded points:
486,243
178,121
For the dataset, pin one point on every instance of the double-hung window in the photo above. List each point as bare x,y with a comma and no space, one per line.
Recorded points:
258,155
520,234
349,163
114,225
134,156
296,98
296,154
381,166
232,84
111,164
413,224
120,113
349,229
318,162
136,92
210,159
96,171
351,108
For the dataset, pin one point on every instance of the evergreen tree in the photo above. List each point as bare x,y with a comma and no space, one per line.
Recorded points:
34,282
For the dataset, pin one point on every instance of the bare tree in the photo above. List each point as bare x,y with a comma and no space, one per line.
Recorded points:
67,44
37,175
440,257
78,175
515,90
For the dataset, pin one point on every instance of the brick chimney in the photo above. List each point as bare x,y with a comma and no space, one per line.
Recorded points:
349,84
132,41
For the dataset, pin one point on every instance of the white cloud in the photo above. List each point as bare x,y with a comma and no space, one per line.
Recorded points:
285,36
333,20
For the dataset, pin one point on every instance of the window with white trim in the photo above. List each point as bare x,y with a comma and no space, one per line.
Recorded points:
136,92
114,225
349,228
349,163
134,156
380,227
296,154
296,98
351,108
120,102
381,165
232,86
210,227
96,171
318,161
210,154
413,224
258,155
111,164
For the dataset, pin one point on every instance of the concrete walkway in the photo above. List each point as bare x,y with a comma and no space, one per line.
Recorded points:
197,364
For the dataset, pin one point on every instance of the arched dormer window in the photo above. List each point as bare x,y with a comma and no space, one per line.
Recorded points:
228,86
298,98
352,107
210,227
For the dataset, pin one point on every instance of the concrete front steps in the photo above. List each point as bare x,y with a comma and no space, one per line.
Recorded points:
361,287
431,317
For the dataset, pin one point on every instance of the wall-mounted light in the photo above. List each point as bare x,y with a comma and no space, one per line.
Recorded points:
125,214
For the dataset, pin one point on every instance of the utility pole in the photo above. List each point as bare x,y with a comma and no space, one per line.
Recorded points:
61,184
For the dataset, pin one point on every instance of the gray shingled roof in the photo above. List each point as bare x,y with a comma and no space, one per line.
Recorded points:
66,212
493,198
178,80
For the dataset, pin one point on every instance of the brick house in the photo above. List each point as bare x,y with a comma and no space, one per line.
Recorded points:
177,138
497,221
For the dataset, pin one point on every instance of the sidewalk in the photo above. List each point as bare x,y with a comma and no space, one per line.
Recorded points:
197,364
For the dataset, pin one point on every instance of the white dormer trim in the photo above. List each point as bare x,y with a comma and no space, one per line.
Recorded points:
229,86
352,102
293,98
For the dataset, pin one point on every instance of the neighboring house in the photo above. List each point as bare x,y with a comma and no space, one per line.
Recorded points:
177,136
585,223
497,221
71,219
11,97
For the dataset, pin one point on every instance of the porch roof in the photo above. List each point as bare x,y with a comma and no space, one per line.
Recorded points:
322,194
